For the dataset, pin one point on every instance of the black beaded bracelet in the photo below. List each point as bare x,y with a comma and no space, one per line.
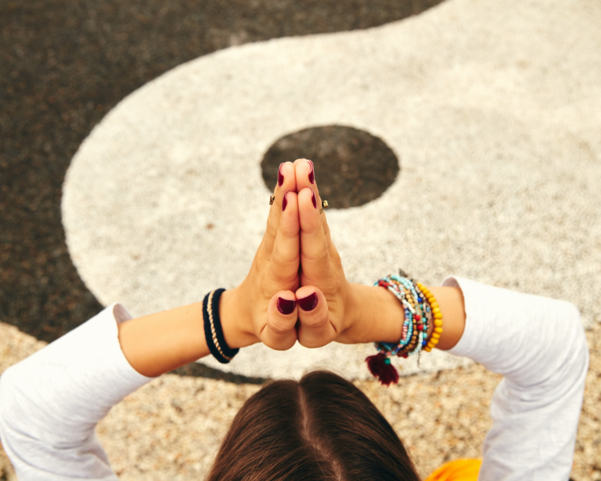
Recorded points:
212,327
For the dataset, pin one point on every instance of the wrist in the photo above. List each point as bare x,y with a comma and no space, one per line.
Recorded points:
236,321
452,305
374,315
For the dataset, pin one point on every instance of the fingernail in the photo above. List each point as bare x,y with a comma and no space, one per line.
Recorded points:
312,173
285,306
314,199
284,202
280,176
308,303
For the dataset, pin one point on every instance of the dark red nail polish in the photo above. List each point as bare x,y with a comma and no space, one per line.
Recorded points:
280,176
308,303
314,199
285,306
312,174
284,202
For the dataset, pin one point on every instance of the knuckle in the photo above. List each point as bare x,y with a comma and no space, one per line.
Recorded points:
284,256
272,344
284,267
281,326
283,345
322,257
267,288
272,226
313,342
317,320
284,279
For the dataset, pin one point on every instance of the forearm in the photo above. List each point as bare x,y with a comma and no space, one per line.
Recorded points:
377,315
159,343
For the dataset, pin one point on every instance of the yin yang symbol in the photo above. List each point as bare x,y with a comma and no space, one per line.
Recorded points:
495,131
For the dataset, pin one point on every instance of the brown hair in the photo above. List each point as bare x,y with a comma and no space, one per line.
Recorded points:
321,428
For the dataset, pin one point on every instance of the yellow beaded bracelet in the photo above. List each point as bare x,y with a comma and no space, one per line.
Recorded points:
437,318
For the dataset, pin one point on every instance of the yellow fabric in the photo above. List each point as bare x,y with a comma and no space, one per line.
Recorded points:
459,470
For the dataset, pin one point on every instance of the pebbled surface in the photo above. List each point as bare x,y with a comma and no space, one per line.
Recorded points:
452,407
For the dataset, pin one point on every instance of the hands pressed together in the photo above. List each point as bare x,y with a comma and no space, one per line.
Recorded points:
296,289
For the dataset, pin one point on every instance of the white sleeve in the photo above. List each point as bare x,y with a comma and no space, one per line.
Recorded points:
539,346
51,402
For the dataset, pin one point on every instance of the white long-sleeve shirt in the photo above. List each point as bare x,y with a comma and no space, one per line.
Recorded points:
51,402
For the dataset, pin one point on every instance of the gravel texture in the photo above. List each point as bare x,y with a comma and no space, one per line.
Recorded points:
172,428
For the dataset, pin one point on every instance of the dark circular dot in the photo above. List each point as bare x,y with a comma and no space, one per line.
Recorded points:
352,167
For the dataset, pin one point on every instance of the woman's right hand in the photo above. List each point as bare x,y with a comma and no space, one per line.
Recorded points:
263,308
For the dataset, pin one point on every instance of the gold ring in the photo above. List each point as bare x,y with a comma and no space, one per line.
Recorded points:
271,199
324,205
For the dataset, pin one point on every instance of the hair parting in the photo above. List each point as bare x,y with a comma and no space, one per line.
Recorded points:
321,428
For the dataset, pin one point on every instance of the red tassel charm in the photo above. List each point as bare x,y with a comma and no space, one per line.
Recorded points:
379,365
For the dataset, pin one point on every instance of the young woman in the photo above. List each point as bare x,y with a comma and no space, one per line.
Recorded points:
321,428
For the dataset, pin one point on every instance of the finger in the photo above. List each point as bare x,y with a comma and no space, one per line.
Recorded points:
286,182
305,178
314,246
285,255
314,328
279,332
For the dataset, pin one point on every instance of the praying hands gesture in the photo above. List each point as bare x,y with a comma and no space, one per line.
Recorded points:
296,290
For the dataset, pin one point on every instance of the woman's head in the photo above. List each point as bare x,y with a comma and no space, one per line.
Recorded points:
320,428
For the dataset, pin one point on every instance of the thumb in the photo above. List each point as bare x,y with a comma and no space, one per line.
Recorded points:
282,313
315,328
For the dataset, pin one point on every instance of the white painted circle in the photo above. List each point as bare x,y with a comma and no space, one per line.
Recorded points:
499,178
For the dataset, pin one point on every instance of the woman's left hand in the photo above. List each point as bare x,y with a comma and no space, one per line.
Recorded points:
340,311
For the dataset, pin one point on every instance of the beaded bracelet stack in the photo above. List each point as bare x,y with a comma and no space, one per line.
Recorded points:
421,311
212,327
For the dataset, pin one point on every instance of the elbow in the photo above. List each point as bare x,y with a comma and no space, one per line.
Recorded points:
17,401
576,351
579,344
7,402
9,394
